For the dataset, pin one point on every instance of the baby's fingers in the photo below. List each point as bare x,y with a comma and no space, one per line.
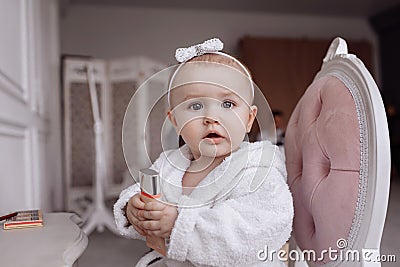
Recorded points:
150,214
150,225
133,213
137,227
136,202
139,230
154,205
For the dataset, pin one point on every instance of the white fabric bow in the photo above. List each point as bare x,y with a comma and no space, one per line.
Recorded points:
212,45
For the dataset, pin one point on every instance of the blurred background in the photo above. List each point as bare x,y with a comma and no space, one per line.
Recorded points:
46,121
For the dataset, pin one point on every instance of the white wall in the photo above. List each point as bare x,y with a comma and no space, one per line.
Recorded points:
113,32
30,145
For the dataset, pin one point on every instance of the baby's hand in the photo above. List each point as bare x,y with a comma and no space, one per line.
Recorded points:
160,219
134,206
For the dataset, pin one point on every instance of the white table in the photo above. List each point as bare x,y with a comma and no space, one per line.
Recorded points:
59,242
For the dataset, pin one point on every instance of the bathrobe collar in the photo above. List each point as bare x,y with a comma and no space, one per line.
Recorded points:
221,180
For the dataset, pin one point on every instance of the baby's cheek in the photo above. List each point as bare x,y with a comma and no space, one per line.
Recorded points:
183,118
236,133
183,121
235,122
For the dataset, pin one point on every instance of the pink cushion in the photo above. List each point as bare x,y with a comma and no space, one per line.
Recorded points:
322,148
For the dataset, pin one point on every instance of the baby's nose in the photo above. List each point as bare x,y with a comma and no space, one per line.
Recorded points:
209,120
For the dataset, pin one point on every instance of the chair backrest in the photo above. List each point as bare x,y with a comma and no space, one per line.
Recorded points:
338,160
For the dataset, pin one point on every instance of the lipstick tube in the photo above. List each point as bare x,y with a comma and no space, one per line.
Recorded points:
151,191
149,184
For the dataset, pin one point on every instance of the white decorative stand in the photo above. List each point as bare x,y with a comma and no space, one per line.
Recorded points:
96,214
87,197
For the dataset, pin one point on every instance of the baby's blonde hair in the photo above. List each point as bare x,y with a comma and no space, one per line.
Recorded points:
221,59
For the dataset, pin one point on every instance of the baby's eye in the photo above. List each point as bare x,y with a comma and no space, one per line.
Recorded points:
227,104
196,106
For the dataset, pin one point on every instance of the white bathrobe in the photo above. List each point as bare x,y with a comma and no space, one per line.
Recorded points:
237,210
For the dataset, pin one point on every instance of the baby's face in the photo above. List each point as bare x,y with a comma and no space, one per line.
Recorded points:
211,119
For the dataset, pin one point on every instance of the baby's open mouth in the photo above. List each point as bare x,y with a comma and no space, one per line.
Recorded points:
213,138
213,135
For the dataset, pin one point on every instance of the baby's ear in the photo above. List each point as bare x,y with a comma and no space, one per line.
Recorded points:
252,116
172,119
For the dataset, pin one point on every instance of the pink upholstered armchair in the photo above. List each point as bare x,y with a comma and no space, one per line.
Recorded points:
338,163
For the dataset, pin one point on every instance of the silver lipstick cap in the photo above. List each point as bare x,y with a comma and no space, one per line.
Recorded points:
149,181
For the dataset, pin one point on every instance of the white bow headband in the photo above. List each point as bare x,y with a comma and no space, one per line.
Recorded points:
211,46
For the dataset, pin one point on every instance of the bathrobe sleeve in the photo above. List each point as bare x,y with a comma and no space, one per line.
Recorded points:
123,225
235,229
